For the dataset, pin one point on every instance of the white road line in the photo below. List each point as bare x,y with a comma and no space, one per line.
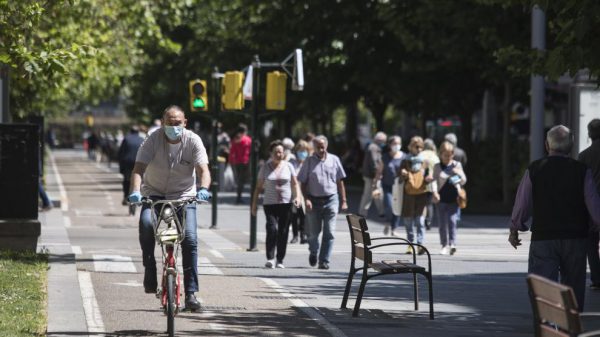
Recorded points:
90,305
216,241
216,253
216,326
113,264
67,221
64,201
76,250
205,267
308,310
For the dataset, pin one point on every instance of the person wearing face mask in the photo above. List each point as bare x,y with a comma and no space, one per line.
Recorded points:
298,216
386,174
171,164
371,162
417,176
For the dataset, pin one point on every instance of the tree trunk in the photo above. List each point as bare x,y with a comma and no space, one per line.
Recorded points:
351,122
506,144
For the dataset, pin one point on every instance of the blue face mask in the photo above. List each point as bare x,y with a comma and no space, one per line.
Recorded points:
173,132
302,155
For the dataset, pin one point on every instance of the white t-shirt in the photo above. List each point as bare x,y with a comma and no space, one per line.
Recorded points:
277,182
171,169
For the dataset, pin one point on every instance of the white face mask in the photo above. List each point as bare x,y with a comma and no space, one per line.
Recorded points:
173,132
396,148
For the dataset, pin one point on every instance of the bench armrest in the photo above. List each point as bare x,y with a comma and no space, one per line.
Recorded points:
407,243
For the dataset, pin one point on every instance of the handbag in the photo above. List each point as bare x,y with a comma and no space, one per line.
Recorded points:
397,196
461,199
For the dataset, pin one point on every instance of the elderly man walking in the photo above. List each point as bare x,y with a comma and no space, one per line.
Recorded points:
321,180
370,164
559,193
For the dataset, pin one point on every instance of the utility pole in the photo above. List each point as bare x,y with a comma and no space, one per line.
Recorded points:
4,94
536,123
216,76
255,147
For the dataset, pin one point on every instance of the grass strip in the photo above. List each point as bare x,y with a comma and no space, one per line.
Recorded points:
23,297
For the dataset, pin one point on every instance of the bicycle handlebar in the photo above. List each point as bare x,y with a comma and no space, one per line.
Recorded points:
149,201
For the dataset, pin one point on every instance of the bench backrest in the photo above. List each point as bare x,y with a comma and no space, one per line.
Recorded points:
553,303
360,237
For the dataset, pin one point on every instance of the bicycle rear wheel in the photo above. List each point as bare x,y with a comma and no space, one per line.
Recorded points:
171,305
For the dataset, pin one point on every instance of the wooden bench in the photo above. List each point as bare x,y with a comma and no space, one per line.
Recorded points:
362,249
555,311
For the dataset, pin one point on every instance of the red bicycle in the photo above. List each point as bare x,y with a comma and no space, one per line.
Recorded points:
169,231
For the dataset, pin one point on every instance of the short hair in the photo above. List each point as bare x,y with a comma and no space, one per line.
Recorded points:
416,140
321,138
594,129
391,139
380,137
275,144
428,144
242,128
451,137
173,107
560,139
446,146
288,143
301,144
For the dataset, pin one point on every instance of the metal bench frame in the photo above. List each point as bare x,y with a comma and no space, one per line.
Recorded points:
362,249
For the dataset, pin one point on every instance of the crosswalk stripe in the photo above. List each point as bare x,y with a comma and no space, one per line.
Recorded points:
216,241
206,267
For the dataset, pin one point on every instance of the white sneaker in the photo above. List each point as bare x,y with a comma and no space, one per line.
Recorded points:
444,250
270,264
386,229
452,249
279,265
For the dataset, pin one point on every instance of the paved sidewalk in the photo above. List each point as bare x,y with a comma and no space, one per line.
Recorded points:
479,291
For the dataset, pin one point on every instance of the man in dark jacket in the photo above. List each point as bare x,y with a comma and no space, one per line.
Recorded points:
127,152
371,162
591,157
559,193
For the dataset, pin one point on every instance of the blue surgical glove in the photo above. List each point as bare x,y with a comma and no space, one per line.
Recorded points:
135,197
203,194
455,179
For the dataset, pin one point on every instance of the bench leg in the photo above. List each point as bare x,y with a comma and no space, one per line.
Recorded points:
348,286
361,290
416,291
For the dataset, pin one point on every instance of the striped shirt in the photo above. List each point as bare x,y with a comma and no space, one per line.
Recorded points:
277,182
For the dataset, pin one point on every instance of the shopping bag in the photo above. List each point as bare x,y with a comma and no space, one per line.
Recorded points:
397,196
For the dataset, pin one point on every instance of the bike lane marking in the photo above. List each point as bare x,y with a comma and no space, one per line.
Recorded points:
308,310
113,264
216,241
90,304
64,201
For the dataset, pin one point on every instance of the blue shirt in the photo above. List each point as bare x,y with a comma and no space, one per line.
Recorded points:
321,176
390,168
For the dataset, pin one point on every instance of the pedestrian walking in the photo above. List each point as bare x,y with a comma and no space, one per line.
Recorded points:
239,157
387,171
591,157
430,158
559,193
277,179
416,177
126,156
448,179
459,154
288,146
298,212
171,164
371,161
321,178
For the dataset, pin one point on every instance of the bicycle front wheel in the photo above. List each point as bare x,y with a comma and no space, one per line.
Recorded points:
171,305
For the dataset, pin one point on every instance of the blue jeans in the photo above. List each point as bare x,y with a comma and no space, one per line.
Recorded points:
410,224
322,217
447,218
561,261
395,221
189,246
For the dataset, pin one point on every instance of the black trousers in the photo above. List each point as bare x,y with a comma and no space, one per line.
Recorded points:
240,173
278,222
298,222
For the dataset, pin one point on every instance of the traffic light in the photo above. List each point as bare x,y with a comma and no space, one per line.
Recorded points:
276,85
231,90
198,97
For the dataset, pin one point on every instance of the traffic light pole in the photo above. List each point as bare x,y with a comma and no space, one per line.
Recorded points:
214,147
255,147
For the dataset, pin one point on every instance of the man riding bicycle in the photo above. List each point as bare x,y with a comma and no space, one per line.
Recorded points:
174,165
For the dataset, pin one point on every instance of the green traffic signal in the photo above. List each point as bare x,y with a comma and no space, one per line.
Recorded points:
198,103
